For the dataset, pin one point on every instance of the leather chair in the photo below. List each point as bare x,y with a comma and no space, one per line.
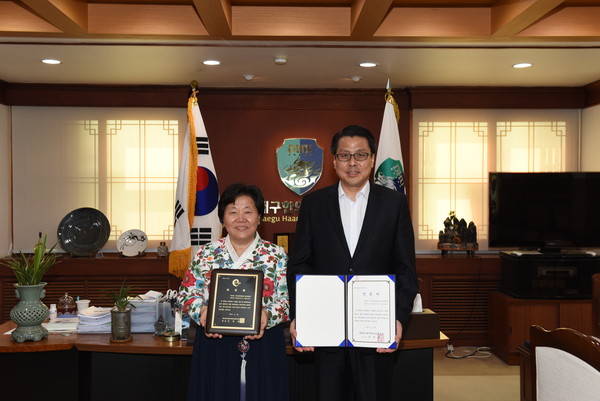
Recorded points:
565,365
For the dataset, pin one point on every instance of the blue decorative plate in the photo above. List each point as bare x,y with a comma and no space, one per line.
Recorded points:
83,232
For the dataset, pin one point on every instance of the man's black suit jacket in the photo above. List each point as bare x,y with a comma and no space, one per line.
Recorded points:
385,245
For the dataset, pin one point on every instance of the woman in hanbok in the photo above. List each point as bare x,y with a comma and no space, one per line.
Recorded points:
229,367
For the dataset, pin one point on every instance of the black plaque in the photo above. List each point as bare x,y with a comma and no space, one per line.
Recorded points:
235,303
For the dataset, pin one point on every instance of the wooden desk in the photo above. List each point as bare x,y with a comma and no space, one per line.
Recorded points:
90,367
144,344
141,344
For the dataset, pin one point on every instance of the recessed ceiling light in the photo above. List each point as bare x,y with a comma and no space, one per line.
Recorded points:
522,65
248,77
355,78
211,62
280,60
368,65
51,61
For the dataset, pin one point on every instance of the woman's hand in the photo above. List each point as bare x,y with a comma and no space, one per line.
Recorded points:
263,323
203,313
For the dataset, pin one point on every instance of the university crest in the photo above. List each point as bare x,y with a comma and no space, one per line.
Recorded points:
390,174
300,164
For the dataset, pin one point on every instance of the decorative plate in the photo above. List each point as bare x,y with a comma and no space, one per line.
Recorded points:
132,242
83,232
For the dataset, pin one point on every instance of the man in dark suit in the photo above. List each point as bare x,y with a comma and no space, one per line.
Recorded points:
353,228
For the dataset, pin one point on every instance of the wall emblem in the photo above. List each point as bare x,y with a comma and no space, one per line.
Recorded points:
300,164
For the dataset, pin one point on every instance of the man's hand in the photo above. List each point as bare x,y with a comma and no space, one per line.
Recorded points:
398,337
294,334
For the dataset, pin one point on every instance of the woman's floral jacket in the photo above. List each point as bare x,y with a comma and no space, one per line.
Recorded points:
268,257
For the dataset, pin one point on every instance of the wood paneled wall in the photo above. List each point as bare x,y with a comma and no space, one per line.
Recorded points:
20,94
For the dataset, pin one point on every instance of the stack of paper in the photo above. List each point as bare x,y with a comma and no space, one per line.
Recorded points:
145,313
62,325
94,320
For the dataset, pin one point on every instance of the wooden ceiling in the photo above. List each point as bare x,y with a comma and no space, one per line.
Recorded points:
306,20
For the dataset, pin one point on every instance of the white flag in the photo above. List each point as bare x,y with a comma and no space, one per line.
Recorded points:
389,168
196,218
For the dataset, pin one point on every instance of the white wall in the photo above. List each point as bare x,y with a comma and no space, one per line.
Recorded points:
5,181
590,139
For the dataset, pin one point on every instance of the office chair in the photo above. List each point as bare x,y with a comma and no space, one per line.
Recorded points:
565,365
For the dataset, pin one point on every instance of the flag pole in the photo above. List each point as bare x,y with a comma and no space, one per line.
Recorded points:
181,249
197,195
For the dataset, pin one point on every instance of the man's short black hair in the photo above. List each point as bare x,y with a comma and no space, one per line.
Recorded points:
353,130
233,191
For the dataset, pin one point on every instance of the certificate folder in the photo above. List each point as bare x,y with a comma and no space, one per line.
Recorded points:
345,311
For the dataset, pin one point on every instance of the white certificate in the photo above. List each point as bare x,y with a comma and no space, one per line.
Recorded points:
353,311
371,312
320,310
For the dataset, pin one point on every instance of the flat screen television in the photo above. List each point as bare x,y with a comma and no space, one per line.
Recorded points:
544,211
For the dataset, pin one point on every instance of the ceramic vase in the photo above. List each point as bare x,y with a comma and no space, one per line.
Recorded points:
120,325
29,313
162,251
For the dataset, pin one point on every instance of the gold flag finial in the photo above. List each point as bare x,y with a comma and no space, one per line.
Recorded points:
390,99
193,91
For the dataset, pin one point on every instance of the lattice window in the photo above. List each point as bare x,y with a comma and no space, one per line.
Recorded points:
531,146
141,172
452,173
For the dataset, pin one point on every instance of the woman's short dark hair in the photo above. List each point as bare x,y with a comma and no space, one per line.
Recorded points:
233,191
353,130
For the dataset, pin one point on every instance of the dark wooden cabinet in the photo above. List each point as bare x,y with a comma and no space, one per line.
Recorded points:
548,276
510,319
457,288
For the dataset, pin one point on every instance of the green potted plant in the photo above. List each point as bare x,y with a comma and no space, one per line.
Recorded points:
30,312
121,314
